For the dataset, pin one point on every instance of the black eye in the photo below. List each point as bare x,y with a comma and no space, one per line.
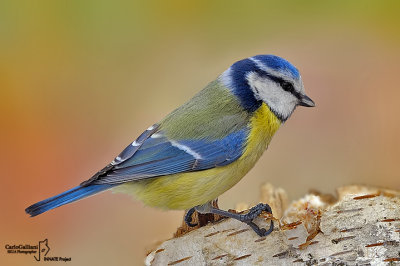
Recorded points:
287,86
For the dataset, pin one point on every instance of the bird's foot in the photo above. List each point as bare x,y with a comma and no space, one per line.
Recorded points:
254,213
245,218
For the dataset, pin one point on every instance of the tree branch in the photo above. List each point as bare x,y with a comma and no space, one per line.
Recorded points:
361,227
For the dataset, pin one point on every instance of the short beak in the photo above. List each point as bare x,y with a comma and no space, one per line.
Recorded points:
306,101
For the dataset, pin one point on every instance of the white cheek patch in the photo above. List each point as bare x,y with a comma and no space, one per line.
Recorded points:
280,101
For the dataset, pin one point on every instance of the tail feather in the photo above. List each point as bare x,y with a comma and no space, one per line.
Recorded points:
66,197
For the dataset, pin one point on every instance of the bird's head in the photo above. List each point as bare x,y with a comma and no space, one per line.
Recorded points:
269,79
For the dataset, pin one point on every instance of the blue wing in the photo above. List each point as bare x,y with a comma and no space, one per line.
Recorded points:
153,155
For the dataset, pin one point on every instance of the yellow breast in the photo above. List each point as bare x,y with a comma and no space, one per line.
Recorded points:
186,190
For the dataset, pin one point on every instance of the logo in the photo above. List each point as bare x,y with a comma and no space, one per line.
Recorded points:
40,251
43,248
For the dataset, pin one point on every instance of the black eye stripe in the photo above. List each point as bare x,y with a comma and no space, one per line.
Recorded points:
285,85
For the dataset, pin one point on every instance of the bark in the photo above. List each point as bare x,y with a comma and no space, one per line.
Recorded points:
360,227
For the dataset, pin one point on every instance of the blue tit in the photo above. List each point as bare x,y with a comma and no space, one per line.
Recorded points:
204,147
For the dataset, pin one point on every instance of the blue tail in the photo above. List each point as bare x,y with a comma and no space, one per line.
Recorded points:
66,197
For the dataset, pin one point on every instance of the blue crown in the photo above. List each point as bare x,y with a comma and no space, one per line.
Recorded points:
279,64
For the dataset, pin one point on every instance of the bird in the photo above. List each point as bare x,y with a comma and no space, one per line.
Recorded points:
205,146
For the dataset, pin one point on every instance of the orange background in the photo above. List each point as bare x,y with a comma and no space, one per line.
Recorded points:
81,79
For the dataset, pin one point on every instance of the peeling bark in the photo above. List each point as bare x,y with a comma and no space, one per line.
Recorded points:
361,227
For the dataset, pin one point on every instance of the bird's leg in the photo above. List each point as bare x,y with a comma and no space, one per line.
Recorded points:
245,218
201,219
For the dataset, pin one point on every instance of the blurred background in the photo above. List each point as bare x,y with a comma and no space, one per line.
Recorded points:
80,80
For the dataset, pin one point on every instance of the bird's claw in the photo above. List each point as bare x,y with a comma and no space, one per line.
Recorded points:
188,218
252,214
255,211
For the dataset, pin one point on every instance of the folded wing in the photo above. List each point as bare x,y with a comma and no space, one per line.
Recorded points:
153,154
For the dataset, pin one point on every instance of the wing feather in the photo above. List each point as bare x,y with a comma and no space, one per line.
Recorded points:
159,156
